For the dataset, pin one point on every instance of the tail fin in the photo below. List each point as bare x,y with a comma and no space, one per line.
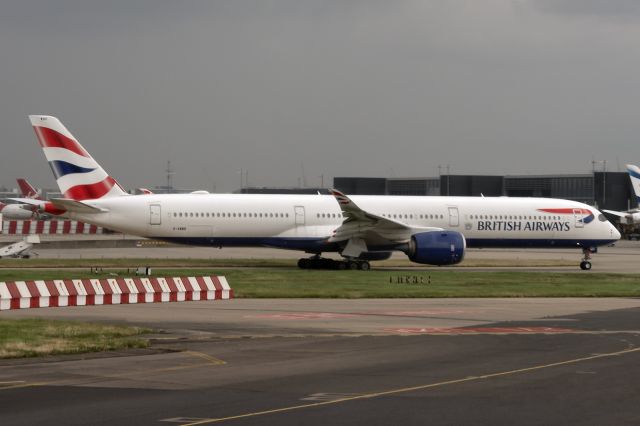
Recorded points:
27,190
634,174
78,175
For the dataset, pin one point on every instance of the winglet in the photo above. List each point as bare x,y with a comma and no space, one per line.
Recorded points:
346,203
340,197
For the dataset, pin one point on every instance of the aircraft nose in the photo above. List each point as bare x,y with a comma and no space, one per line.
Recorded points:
614,232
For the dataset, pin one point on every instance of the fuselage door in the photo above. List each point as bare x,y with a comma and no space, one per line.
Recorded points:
155,215
299,215
578,215
454,220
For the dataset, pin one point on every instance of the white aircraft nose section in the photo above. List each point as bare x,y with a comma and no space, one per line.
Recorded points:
614,232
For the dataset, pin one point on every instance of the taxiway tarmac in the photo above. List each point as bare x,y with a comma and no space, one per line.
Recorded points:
318,362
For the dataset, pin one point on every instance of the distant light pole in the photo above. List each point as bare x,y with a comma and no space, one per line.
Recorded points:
448,173
604,178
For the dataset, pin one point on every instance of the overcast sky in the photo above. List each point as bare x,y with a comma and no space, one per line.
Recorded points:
337,87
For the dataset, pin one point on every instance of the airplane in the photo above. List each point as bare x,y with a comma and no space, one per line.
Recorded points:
21,211
21,249
429,230
631,217
28,191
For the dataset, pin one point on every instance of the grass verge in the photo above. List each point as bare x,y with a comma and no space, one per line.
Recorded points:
38,337
296,283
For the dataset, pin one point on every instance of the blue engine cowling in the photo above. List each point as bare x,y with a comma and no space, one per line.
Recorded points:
437,248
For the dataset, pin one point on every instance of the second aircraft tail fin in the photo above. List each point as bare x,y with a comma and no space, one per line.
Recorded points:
28,191
634,175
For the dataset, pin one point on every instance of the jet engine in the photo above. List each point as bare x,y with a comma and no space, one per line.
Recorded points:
437,248
632,218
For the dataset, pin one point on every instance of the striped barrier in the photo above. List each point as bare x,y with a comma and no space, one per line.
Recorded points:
111,291
26,227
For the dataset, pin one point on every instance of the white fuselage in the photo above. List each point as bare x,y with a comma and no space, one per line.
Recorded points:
305,222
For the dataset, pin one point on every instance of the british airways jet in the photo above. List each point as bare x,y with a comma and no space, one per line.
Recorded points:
430,230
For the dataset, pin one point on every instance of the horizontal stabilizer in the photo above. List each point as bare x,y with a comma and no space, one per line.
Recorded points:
30,201
76,206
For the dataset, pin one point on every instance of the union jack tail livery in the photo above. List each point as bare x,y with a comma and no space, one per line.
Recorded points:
78,175
634,174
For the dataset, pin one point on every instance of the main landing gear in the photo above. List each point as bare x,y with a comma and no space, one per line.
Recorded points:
585,264
317,262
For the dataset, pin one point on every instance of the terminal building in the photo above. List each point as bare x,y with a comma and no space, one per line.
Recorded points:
604,190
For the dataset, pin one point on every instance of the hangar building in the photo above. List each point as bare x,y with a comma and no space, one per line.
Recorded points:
605,190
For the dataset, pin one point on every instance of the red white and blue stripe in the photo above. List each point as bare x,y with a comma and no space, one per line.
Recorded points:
586,215
78,175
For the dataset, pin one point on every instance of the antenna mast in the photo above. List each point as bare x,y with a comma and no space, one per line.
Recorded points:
170,174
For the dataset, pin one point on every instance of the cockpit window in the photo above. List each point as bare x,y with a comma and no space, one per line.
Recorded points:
602,218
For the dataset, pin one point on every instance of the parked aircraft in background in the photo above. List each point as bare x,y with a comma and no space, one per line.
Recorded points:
630,217
430,230
21,211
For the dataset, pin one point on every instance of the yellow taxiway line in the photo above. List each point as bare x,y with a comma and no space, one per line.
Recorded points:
412,388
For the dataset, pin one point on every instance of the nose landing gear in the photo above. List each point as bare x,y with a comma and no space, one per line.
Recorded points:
585,264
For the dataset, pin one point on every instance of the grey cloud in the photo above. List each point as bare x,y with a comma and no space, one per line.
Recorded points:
618,9
347,88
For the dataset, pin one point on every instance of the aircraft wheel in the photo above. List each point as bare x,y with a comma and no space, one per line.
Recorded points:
303,263
364,266
585,265
352,265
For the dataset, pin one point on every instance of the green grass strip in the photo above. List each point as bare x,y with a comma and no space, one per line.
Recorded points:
38,337
296,283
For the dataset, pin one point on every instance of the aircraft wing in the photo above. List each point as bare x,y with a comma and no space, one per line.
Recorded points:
361,228
615,213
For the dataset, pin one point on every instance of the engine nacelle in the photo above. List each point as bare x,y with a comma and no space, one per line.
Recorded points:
437,248
633,218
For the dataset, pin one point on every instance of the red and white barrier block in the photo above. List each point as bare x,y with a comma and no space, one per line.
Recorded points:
49,227
111,291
